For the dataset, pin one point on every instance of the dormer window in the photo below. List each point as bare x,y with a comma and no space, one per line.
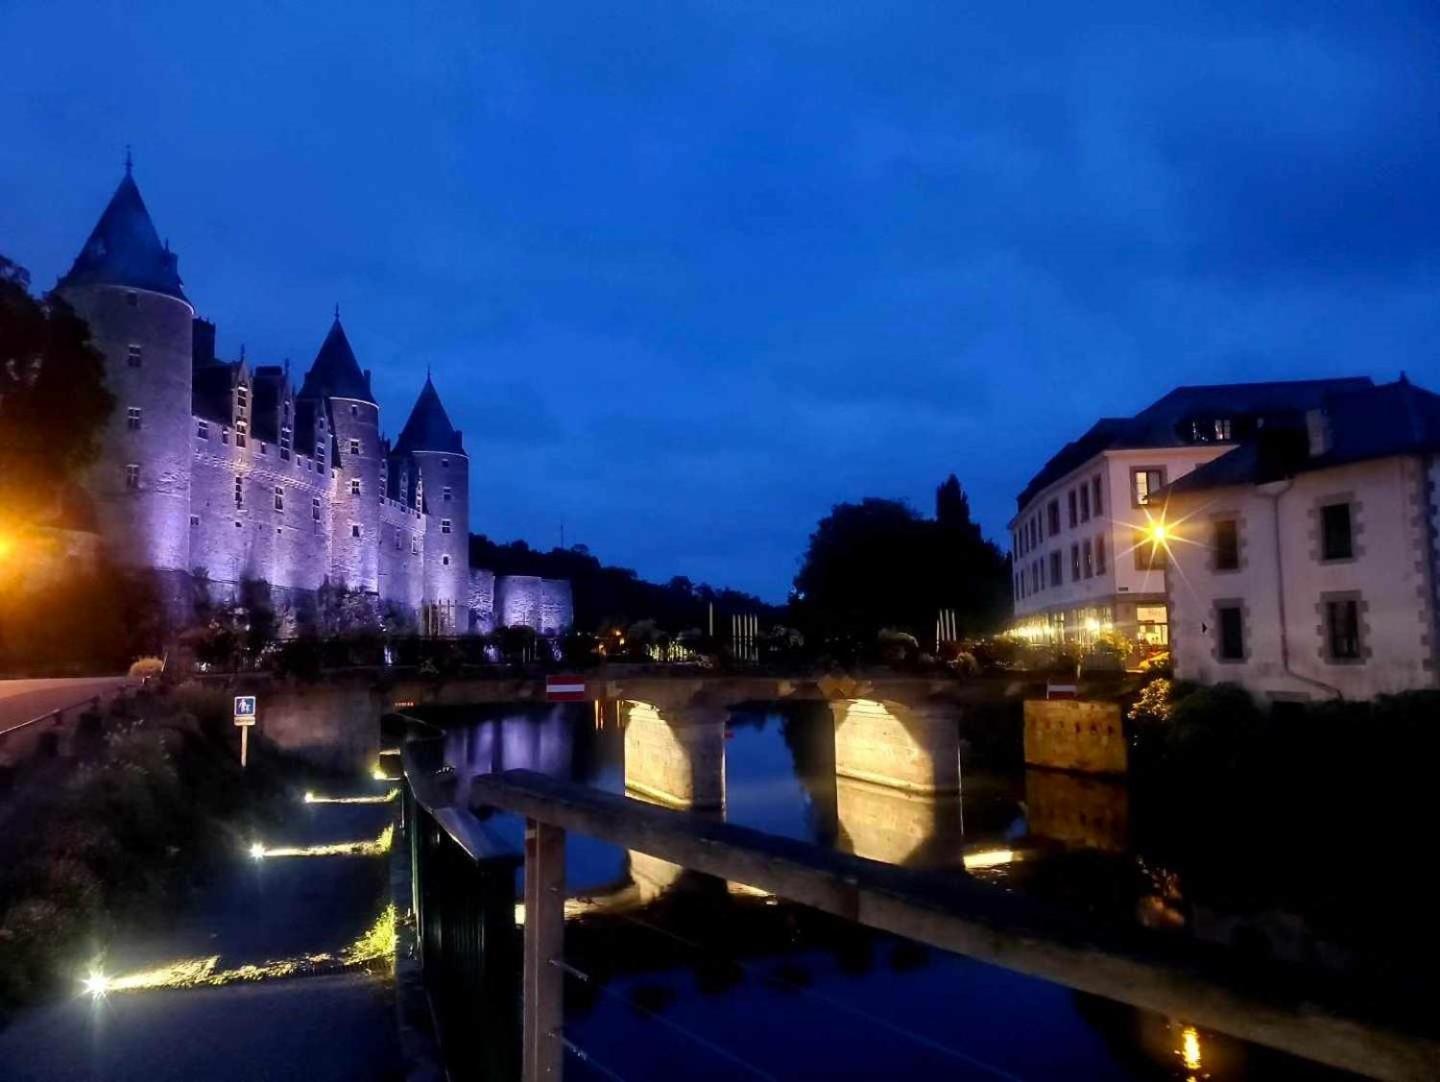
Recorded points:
202,430
132,355
242,400
241,428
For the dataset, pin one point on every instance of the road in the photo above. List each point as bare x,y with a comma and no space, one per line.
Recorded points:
21,700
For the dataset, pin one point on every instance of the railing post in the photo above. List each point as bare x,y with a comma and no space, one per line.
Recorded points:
543,995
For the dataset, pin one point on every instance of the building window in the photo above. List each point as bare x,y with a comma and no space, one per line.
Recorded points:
202,429
1144,482
445,494
194,520
241,428
445,561
354,447
315,508
1230,627
132,356
354,529
132,298
1052,512
1227,545
279,498
1342,629
444,463
132,418
1075,563
1336,534
414,547
444,525
1100,555
320,452
225,435
354,410
354,486
132,476
1150,555
1055,576
239,491
1088,557
242,396
1074,521
1084,503
1222,428
285,440
1095,496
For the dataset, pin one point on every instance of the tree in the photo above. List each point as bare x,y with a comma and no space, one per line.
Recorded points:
53,400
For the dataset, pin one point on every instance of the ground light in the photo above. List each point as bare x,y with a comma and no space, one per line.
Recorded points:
384,798
376,945
377,846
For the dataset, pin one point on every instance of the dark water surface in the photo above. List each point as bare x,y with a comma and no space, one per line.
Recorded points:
693,980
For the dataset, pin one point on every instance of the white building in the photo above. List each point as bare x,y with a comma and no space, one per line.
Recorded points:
1085,560
1303,561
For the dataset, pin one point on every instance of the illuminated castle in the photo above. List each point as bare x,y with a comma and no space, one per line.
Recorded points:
215,473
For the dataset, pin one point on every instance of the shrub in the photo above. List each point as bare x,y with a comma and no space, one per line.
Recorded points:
146,668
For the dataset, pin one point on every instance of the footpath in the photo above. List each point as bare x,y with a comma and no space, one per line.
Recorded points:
281,969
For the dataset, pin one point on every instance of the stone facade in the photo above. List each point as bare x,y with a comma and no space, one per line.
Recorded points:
223,472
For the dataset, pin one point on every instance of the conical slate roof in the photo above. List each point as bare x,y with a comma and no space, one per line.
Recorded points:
429,427
125,250
336,373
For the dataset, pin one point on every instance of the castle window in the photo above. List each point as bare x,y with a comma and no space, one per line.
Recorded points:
194,520
354,529
225,435
132,418
315,508
242,397
354,410
239,491
132,298
202,429
354,447
445,561
445,494
444,525
285,440
320,452
132,356
354,486
132,476
279,498
444,463
414,547
240,429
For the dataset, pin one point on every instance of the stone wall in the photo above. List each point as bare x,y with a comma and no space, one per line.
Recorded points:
481,600
402,555
557,607
1074,734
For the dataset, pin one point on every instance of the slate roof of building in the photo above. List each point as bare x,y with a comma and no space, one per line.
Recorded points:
124,249
1165,423
429,427
1362,424
212,391
336,373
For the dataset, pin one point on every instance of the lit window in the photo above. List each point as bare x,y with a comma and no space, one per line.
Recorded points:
1230,630
354,529
132,476
1222,428
132,356
354,447
279,498
1342,627
315,508
202,429
1337,534
1144,482
132,418
354,486
444,525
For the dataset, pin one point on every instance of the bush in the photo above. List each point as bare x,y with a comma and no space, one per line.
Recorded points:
146,668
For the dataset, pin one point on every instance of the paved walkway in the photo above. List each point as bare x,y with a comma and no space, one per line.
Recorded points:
315,1028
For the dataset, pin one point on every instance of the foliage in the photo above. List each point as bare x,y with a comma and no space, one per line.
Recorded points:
145,668
53,400
880,564
95,620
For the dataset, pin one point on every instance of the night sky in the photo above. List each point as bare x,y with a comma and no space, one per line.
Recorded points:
689,273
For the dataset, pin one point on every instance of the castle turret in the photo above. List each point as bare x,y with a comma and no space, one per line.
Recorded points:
126,285
433,443
337,388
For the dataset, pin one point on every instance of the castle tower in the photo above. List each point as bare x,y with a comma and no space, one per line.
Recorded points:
433,443
126,285
336,388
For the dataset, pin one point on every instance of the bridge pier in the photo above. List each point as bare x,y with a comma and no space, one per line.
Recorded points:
912,749
676,758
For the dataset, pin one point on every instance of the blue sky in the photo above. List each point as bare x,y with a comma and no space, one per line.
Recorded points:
687,274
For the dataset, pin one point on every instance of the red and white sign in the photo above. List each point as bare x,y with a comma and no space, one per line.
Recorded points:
565,689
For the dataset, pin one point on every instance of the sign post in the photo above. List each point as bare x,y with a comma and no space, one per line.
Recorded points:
244,719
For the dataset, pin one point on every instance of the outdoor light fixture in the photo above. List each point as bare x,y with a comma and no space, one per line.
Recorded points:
96,983
257,850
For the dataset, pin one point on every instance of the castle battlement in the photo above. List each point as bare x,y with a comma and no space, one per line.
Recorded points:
225,472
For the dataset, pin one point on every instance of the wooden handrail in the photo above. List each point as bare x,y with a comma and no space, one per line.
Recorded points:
953,913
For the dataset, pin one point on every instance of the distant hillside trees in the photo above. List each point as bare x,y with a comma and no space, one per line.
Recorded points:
616,597
879,564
